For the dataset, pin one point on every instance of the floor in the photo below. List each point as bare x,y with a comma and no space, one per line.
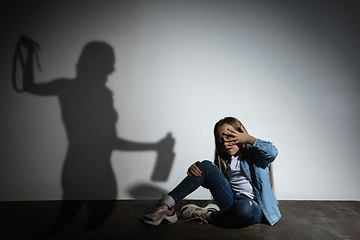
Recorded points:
122,220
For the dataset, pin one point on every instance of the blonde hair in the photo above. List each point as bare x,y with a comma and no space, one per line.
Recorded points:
221,157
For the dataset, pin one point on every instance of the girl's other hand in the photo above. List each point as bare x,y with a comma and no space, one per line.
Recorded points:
194,170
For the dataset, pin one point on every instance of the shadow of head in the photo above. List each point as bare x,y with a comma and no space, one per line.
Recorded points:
96,58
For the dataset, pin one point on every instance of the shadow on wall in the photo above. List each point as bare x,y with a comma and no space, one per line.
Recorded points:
89,118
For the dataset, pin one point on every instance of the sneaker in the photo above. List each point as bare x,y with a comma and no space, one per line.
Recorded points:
192,211
161,211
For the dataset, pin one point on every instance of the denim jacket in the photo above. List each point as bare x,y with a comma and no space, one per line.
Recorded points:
255,163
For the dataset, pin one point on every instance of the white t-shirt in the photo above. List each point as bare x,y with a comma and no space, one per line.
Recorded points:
238,181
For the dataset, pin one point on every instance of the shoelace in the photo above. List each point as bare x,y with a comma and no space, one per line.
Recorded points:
158,203
199,216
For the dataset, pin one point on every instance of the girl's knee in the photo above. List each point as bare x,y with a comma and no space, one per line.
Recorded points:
206,165
206,162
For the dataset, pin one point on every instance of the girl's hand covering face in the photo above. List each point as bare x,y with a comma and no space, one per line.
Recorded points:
234,137
194,170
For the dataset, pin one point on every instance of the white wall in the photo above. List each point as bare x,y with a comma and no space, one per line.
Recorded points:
288,71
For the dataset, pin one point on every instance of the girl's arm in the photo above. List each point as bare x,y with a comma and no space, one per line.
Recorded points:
267,152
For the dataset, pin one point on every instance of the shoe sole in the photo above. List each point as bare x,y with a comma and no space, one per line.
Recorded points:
213,206
170,219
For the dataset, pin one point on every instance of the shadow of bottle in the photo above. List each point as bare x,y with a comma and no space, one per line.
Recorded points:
162,168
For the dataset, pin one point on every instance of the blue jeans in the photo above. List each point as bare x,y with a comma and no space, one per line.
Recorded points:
235,210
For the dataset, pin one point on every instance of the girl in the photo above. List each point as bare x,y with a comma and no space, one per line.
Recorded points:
239,181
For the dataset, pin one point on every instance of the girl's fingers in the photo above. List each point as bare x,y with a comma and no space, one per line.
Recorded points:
196,173
231,142
194,170
242,128
232,130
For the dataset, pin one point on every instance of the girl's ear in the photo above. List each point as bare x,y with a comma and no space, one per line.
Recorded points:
239,129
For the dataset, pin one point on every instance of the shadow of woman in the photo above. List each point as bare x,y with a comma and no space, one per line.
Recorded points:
89,118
